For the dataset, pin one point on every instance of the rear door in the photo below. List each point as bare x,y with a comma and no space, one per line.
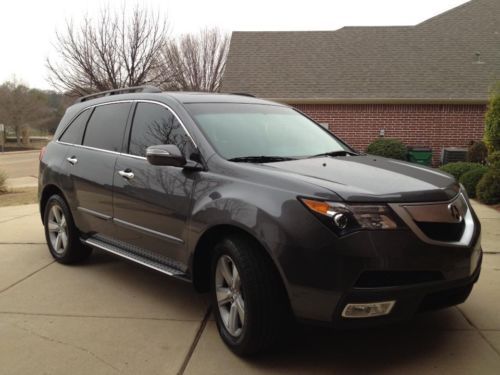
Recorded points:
152,204
91,166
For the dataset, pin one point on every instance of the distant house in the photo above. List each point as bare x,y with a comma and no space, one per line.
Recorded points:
426,84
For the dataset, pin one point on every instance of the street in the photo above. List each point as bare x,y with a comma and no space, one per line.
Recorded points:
19,164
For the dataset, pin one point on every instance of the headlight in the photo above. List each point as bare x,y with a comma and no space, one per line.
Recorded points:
346,218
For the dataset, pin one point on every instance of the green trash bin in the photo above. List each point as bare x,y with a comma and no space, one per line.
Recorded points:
420,155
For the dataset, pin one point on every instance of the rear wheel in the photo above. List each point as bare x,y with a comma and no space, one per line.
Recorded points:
61,234
250,303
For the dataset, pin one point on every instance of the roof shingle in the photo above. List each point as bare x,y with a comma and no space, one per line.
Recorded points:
432,61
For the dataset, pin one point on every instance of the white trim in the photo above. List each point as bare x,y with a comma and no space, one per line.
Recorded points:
117,102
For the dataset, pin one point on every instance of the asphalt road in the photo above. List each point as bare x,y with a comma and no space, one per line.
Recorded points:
18,164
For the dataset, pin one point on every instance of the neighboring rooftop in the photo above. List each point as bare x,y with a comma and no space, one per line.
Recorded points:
453,57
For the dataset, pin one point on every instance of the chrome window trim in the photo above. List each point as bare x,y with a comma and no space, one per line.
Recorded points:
90,148
145,230
102,150
469,227
124,101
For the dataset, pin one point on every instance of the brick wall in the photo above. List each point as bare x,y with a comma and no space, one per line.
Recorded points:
434,125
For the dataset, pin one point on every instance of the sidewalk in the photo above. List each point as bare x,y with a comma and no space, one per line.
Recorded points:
109,315
21,182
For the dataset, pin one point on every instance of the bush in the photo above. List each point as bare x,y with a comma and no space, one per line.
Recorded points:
492,123
477,152
459,168
471,178
488,188
494,159
3,180
387,147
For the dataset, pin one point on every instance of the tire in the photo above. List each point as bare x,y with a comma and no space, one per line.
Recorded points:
63,238
260,294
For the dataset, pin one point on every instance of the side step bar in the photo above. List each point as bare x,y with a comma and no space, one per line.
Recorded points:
135,257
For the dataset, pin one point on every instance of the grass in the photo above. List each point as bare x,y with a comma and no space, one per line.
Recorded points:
19,196
3,181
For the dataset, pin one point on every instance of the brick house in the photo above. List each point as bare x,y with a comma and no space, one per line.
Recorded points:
427,84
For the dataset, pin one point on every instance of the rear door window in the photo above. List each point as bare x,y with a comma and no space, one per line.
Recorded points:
106,127
74,132
156,125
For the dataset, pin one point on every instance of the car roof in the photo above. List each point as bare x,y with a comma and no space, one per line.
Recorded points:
204,97
183,97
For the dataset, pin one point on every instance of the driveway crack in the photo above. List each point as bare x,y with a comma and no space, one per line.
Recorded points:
26,277
80,348
479,331
197,337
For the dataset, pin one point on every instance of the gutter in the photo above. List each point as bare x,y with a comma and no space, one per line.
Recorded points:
378,100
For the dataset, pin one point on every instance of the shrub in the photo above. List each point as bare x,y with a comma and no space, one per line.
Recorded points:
492,123
3,180
488,188
471,178
494,159
459,168
387,147
477,152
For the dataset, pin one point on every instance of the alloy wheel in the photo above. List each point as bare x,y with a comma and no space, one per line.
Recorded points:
230,299
58,229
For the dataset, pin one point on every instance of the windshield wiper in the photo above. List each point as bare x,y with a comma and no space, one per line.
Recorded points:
260,159
334,153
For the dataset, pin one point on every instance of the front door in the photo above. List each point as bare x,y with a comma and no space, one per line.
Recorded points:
152,203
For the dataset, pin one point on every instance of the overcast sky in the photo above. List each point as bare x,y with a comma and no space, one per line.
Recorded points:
27,27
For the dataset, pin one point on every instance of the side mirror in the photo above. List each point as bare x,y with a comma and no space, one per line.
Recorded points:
167,155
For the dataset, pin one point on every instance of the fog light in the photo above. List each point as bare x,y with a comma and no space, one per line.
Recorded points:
367,310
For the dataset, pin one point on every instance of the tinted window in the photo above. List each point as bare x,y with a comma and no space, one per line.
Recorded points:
106,126
238,130
74,132
156,125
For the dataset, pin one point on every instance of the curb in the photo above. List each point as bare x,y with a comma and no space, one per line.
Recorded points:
19,152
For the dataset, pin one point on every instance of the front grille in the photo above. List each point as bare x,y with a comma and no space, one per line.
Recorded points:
381,279
439,222
449,232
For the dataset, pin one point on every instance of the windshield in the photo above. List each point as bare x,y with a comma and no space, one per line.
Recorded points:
238,130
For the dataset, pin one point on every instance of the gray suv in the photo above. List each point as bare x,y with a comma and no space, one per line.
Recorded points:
259,205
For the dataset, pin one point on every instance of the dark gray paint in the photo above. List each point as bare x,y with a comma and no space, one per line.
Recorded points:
318,268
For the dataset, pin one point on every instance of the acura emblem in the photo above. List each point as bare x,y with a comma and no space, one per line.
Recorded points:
455,213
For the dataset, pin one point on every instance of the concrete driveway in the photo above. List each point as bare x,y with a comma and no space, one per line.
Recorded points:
110,316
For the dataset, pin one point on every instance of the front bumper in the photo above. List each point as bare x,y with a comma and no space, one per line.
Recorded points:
409,300
331,272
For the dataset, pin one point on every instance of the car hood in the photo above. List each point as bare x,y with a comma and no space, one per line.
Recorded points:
365,178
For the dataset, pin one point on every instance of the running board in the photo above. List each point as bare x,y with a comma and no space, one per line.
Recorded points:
135,257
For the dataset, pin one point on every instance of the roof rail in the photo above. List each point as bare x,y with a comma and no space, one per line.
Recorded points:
125,90
242,94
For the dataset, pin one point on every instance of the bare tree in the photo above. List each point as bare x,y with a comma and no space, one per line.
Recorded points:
195,62
22,107
117,49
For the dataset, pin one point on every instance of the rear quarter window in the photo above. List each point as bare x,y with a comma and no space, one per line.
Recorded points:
106,127
74,132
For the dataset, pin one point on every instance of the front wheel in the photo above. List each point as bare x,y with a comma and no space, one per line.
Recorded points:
250,303
61,234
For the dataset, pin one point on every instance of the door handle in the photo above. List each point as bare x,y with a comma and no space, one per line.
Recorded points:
126,174
72,160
